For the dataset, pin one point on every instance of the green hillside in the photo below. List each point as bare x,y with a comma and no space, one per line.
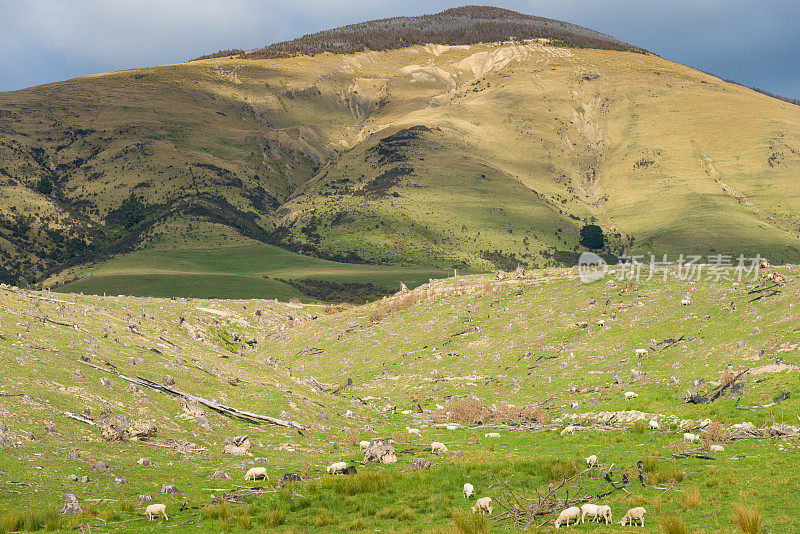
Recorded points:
523,357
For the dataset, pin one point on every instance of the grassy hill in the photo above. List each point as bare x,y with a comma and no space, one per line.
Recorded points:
524,357
478,155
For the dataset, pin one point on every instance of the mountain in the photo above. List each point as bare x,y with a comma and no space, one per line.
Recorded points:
307,163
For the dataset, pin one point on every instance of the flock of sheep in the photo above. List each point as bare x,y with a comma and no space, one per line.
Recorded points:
598,512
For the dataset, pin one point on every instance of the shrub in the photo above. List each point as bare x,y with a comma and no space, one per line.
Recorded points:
536,414
468,412
672,524
748,519
377,315
592,237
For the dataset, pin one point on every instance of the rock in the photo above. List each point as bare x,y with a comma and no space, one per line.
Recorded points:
71,504
169,489
131,361
238,446
78,374
379,450
142,429
673,381
203,423
145,498
74,455
168,380
100,466
73,478
105,381
419,464
120,481
636,375
368,428
291,477
455,454
133,388
219,475
145,462
84,479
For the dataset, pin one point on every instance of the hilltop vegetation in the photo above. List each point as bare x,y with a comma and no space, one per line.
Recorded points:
524,357
429,157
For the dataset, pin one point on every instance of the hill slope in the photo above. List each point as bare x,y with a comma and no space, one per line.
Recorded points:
478,155
523,357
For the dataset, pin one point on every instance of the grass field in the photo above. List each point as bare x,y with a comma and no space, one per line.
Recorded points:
510,345
245,271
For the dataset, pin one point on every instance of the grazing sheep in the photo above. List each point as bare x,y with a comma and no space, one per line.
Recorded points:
573,512
414,431
363,445
256,472
156,510
654,424
686,301
591,461
452,427
716,448
688,436
601,323
336,467
596,512
469,490
491,435
438,447
640,352
568,430
634,514
630,395
483,505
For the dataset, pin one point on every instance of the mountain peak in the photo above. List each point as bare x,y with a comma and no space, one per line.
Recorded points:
455,26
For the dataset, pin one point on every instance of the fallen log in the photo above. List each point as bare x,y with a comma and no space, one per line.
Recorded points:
782,398
79,418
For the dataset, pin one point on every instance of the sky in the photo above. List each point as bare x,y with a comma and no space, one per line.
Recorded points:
41,41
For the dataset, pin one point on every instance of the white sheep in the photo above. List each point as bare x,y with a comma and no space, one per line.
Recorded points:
337,467
596,512
688,436
156,510
686,301
414,431
640,352
601,323
491,435
591,461
437,447
469,490
573,512
363,445
483,505
630,395
634,514
452,427
569,429
716,448
654,424
256,472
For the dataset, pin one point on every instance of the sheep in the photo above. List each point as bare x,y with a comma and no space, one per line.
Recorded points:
438,447
716,448
156,510
256,472
452,427
337,467
601,323
569,429
654,424
414,431
591,461
364,445
491,435
595,512
483,505
688,436
640,352
573,512
469,490
630,395
686,301
634,514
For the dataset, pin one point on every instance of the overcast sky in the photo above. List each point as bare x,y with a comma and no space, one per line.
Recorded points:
754,43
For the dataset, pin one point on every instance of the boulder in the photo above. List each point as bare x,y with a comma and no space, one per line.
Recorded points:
379,450
141,429
120,481
145,498
169,380
71,504
455,454
419,464
238,446
145,462
100,466
219,475
169,489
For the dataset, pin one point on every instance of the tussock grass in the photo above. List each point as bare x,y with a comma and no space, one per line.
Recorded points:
672,524
748,519
691,498
466,522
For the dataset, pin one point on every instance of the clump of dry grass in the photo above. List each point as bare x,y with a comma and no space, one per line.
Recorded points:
726,378
350,438
672,524
536,414
468,412
403,303
715,432
748,519
377,315
691,499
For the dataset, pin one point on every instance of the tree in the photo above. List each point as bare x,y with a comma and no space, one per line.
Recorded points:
132,211
44,185
592,237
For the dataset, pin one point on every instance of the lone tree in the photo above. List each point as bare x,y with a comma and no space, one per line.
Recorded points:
592,237
132,211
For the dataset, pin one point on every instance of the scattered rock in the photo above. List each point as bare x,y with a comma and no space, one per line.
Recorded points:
238,446
71,504
120,481
379,450
168,380
73,478
74,455
419,464
84,479
170,489
100,466
219,475
291,477
455,454
105,382
145,498
145,462
673,381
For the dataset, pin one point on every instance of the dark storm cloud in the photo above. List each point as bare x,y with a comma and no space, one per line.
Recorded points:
47,40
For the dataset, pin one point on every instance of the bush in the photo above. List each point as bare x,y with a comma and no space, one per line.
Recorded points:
592,237
44,185
748,519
